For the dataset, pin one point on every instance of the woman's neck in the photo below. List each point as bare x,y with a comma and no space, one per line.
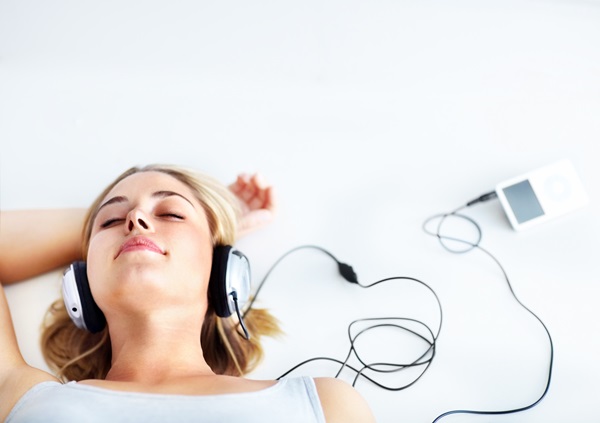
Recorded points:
155,350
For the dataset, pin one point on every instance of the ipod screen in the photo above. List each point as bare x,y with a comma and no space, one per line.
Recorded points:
523,201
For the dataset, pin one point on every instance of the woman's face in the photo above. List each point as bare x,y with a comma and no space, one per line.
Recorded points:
150,246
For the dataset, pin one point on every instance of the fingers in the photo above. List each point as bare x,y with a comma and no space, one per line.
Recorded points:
270,200
257,200
254,192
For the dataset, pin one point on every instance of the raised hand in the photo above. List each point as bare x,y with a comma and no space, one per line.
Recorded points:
257,201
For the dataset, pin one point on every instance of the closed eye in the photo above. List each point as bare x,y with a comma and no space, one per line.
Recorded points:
111,222
172,215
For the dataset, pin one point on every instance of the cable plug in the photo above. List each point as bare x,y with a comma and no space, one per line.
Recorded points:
482,198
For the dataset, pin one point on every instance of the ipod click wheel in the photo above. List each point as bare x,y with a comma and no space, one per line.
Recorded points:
542,194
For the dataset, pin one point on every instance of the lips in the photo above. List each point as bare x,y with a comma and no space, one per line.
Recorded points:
139,243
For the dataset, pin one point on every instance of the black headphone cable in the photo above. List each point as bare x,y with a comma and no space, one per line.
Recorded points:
476,245
429,336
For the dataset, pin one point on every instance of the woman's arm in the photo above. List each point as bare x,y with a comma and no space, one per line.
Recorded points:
342,403
33,242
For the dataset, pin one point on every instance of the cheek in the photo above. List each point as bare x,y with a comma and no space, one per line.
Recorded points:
187,268
97,265
195,260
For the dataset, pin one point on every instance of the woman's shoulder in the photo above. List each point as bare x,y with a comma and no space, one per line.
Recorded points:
16,382
341,402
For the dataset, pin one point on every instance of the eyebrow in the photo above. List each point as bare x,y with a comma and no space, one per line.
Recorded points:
157,194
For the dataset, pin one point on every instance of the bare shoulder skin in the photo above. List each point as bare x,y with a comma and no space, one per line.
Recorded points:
342,403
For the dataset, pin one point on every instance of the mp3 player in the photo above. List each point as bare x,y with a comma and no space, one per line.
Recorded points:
542,194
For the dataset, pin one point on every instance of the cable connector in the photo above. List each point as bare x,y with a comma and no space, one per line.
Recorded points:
483,198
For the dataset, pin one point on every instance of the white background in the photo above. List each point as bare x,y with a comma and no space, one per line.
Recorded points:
368,117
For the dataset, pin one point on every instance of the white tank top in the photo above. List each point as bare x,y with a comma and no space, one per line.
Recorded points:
292,400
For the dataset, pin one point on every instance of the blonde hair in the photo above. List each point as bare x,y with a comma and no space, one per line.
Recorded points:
75,354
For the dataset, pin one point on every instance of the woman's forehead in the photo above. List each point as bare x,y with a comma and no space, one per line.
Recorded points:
147,183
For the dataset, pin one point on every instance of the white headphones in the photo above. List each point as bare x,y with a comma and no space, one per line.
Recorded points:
228,290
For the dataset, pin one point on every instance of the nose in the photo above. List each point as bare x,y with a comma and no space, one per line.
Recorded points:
136,219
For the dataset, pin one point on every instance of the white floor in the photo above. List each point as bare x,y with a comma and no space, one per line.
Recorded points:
368,117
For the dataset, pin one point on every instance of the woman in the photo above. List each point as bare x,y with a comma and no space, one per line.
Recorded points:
148,243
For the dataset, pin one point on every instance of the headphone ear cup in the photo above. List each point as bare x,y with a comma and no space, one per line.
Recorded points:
78,299
230,274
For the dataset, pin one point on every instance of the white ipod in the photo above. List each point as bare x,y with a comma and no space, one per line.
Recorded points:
542,194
